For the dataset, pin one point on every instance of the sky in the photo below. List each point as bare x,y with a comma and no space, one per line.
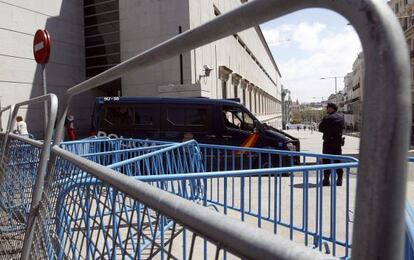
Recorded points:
311,44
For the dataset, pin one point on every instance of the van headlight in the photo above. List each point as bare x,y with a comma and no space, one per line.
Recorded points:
291,147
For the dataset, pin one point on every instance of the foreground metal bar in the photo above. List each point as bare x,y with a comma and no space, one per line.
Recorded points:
387,107
51,99
9,108
235,236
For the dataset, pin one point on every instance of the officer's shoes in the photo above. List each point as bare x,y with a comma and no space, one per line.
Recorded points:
326,182
339,182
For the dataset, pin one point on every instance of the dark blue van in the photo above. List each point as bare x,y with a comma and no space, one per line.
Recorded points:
210,121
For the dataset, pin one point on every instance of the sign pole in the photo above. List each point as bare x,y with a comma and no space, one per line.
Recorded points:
44,93
41,52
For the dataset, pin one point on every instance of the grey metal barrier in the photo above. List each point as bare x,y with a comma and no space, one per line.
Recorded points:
22,172
386,107
17,178
4,135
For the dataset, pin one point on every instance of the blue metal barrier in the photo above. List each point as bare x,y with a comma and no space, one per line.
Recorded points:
240,182
98,145
17,180
298,206
409,228
409,232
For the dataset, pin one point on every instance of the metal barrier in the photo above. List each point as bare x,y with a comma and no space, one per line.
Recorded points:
256,194
22,171
99,216
386,106
298,206
385,135
3,136
104,144
409,232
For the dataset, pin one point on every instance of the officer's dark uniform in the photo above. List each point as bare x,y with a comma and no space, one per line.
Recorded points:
331,127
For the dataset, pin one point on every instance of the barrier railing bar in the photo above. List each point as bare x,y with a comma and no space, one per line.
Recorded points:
8,127
32,142
148,155
52,100
203,221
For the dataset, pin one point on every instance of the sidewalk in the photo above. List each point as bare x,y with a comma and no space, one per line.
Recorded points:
312,142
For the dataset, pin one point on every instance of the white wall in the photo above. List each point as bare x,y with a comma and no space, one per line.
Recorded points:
20,75
230,53
144,24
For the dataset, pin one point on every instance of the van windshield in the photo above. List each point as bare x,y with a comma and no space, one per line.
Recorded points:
237,118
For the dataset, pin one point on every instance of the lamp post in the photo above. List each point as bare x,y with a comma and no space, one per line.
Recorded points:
336,85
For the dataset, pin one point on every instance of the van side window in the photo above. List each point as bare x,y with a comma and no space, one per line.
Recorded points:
187,117
119,115
144,116
196,117
236,118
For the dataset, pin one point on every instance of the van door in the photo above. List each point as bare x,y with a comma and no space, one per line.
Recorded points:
237,126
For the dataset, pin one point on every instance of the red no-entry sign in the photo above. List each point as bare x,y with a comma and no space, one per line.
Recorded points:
41,46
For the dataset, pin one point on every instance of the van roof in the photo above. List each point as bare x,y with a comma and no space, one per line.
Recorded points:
164,100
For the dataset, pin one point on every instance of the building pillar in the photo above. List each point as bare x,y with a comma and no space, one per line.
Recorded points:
244,94
236,80
250,97
255,100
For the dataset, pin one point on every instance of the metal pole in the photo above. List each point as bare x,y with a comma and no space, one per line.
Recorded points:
336,92
41,171
45,93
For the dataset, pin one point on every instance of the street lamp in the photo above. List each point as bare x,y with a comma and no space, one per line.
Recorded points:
336,86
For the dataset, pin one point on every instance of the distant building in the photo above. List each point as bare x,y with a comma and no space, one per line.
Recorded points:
286,107
352,97
404,10
295,107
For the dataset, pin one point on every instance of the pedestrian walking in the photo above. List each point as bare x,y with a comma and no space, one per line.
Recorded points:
70,127
332,126
21,126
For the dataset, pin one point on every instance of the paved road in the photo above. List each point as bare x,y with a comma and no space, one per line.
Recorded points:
312,142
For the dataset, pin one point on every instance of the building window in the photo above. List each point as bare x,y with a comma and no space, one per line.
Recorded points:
250,101
102,40
224,88
121,116
412,75
186,118
224,73
244,96
255,102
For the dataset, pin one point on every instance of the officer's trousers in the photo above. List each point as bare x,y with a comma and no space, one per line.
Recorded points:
332,148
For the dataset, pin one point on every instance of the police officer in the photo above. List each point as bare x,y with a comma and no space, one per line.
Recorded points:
331,127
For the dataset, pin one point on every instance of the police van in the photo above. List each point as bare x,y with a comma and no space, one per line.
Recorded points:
208,121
